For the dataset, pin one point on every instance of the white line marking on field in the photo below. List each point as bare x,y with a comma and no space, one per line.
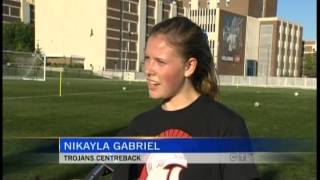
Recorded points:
31,137
72,94
27,97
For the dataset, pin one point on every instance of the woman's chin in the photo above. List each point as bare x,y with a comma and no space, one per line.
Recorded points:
154,95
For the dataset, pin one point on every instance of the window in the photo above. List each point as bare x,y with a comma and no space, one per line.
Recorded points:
129,7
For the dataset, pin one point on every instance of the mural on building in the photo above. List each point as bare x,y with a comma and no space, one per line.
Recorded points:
233,38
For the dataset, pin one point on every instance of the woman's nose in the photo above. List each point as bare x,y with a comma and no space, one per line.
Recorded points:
149,67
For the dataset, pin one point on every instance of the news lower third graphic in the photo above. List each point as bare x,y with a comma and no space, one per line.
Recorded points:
85,150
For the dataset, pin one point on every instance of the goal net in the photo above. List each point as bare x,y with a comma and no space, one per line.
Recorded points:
23,65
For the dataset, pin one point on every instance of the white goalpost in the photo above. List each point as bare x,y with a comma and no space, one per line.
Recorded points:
23,65
37,72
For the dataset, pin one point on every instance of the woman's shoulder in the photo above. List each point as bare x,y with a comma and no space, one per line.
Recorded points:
138,122
216,108
221,119
147,115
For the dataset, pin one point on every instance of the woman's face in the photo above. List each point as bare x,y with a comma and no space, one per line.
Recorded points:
164,68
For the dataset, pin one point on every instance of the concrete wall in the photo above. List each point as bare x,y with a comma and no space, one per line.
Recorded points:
252,38
252,41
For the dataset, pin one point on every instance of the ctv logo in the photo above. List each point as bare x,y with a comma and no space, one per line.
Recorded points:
241,157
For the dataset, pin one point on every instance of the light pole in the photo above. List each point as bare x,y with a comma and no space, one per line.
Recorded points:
268,64
121,35
125,58
129,47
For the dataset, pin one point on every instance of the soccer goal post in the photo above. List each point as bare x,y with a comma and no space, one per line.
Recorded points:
23,65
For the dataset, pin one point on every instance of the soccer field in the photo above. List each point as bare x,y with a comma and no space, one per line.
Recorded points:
98,107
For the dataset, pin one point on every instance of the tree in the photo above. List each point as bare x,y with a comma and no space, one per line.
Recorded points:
18,36
310,65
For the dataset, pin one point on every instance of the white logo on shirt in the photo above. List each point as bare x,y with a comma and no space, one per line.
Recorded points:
165,166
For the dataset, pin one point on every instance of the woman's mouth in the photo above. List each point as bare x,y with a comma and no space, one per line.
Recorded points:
152,84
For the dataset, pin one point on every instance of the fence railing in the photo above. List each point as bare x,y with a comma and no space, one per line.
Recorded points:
284,82
254,81
71,73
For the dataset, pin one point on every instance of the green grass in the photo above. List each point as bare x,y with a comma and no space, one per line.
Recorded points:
91,107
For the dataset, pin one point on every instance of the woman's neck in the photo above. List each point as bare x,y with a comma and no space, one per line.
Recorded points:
180,101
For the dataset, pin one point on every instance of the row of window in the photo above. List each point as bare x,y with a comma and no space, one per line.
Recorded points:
11,11
292,45
294,30
205,18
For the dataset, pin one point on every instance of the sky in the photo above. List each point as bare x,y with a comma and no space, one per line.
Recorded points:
303,12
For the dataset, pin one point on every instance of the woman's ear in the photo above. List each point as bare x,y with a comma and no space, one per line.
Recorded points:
190,67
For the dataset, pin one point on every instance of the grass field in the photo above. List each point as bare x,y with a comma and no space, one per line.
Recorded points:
92,107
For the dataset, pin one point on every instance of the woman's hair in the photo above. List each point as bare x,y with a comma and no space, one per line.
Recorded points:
191,42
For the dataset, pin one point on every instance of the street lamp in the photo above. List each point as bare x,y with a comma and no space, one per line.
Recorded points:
125,57
268,63
121,35
129,47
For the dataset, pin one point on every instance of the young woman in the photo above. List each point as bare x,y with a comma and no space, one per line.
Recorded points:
180,71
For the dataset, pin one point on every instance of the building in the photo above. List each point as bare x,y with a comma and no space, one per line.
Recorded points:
111,35
247,41
138,18
280,48
254,8
18,11
106,34
309,47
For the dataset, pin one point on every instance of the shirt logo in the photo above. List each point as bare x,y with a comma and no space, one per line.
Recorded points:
165,166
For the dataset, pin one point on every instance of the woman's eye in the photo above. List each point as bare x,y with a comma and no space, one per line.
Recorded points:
161,62
146,59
